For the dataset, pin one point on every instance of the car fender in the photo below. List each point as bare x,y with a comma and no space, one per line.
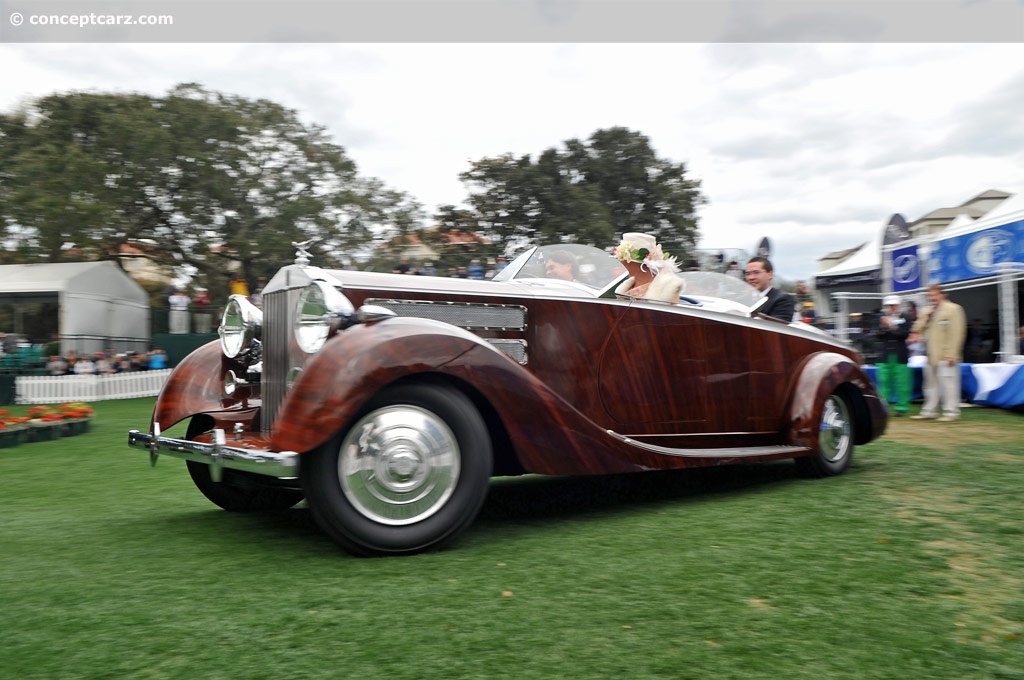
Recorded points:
549,435
818,376
195,385
355,364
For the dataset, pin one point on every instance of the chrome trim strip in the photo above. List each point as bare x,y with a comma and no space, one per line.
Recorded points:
723,452
469,315
283,464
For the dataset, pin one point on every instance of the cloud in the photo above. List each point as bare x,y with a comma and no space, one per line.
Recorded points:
814,145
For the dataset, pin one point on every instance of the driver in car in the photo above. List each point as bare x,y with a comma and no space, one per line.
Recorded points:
561,265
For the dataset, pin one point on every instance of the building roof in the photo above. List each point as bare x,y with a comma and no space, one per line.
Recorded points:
842,255
949,214
98,278
991,193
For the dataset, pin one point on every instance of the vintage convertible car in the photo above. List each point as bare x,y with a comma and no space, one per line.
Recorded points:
388,402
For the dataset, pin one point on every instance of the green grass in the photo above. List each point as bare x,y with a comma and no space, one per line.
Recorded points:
909,566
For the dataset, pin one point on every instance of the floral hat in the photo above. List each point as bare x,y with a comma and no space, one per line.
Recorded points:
644,248
636,247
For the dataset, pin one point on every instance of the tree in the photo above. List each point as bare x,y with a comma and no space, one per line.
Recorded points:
208,179
589,192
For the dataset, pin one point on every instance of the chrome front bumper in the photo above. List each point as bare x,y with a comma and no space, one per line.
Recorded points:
217,455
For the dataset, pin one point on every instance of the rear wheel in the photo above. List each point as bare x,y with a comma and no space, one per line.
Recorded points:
241,491
835,440
408,476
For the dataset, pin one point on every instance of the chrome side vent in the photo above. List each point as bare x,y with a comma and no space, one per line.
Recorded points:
472,316
514,348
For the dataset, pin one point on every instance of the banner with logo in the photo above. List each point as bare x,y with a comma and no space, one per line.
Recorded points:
906,269
980,253
896,231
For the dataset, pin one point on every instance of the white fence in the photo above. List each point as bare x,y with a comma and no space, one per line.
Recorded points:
60,389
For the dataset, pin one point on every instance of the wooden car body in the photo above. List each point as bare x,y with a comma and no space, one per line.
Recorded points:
564,378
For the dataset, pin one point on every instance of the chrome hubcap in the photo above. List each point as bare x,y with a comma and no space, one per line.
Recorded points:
834,437
399,465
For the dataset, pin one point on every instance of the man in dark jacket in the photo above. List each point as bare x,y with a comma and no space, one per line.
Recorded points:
779,303
893,371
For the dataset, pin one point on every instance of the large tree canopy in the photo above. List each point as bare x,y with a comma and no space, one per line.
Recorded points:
204,177
587,192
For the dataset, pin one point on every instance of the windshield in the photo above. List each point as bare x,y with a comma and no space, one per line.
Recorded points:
720,286
598,270
585,265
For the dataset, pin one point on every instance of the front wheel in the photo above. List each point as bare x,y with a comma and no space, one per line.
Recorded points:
408,476
835,440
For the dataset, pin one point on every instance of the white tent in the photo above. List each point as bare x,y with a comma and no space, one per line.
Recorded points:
99,306
982,263
863,268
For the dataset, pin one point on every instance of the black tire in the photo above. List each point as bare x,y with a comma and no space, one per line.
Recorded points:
407,476
242,492
835,440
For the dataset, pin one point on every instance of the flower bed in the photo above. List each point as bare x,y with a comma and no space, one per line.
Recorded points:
44,423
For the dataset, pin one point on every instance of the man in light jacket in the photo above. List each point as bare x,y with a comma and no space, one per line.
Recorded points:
944,328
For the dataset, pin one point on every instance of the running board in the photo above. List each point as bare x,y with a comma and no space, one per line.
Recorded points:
727,452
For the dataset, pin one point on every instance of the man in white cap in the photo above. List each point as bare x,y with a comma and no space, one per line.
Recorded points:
893,371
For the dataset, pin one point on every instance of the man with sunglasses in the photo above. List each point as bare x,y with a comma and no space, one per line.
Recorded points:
780,304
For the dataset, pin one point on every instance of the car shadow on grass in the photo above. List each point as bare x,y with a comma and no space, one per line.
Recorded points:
552,498
516,502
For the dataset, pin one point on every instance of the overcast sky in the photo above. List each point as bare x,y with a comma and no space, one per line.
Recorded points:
814,145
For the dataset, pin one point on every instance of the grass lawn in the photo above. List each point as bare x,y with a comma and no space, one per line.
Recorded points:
909,566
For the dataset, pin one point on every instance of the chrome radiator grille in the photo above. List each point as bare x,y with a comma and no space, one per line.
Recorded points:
277,331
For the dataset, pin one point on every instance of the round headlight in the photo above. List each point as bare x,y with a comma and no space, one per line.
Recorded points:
319,308
240,326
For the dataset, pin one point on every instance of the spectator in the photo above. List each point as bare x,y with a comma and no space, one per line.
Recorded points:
257,297
402,267
734,270
801,294
157,359
201,303
178,302
101,365
912,310
428,269
56,365
238,286
943,325
84,366
10,343
476,270
894,378
122,364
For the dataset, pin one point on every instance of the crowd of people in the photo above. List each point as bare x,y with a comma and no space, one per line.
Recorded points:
105,362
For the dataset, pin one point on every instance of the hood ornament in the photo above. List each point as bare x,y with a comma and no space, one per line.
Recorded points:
302,255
